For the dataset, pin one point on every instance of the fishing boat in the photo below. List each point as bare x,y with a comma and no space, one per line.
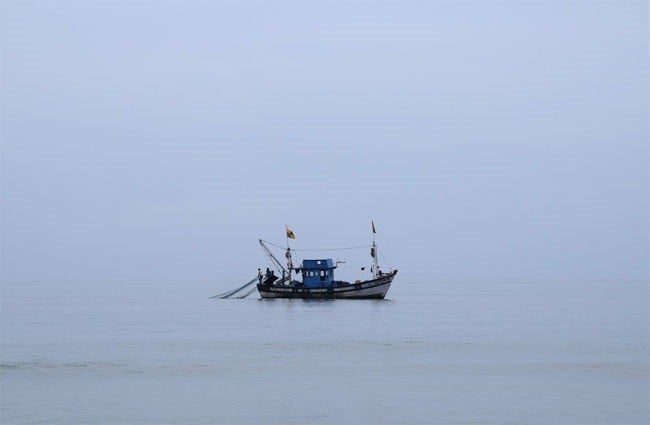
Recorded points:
314,278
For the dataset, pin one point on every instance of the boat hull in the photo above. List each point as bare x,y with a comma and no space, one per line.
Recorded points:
369,289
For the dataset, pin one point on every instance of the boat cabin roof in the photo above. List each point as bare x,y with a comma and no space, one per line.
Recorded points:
321,264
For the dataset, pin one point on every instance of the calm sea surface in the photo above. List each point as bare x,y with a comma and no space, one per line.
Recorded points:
435,352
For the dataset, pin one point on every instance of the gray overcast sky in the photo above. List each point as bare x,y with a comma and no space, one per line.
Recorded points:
149,141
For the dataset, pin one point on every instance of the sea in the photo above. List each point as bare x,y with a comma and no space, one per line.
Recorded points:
434,352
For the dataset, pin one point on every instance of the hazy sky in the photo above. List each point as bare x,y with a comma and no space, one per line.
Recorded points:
150,141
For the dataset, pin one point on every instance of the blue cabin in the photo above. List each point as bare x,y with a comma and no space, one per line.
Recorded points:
318,273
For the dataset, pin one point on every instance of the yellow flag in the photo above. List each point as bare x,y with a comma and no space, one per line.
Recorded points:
290,234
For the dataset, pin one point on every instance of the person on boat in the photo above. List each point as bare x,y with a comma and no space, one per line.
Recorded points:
270,277
259,274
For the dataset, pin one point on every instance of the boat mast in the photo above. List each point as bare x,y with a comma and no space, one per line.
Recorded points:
288,232
373,253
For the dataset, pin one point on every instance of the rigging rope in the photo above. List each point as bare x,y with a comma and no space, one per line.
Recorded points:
384,259
318,249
